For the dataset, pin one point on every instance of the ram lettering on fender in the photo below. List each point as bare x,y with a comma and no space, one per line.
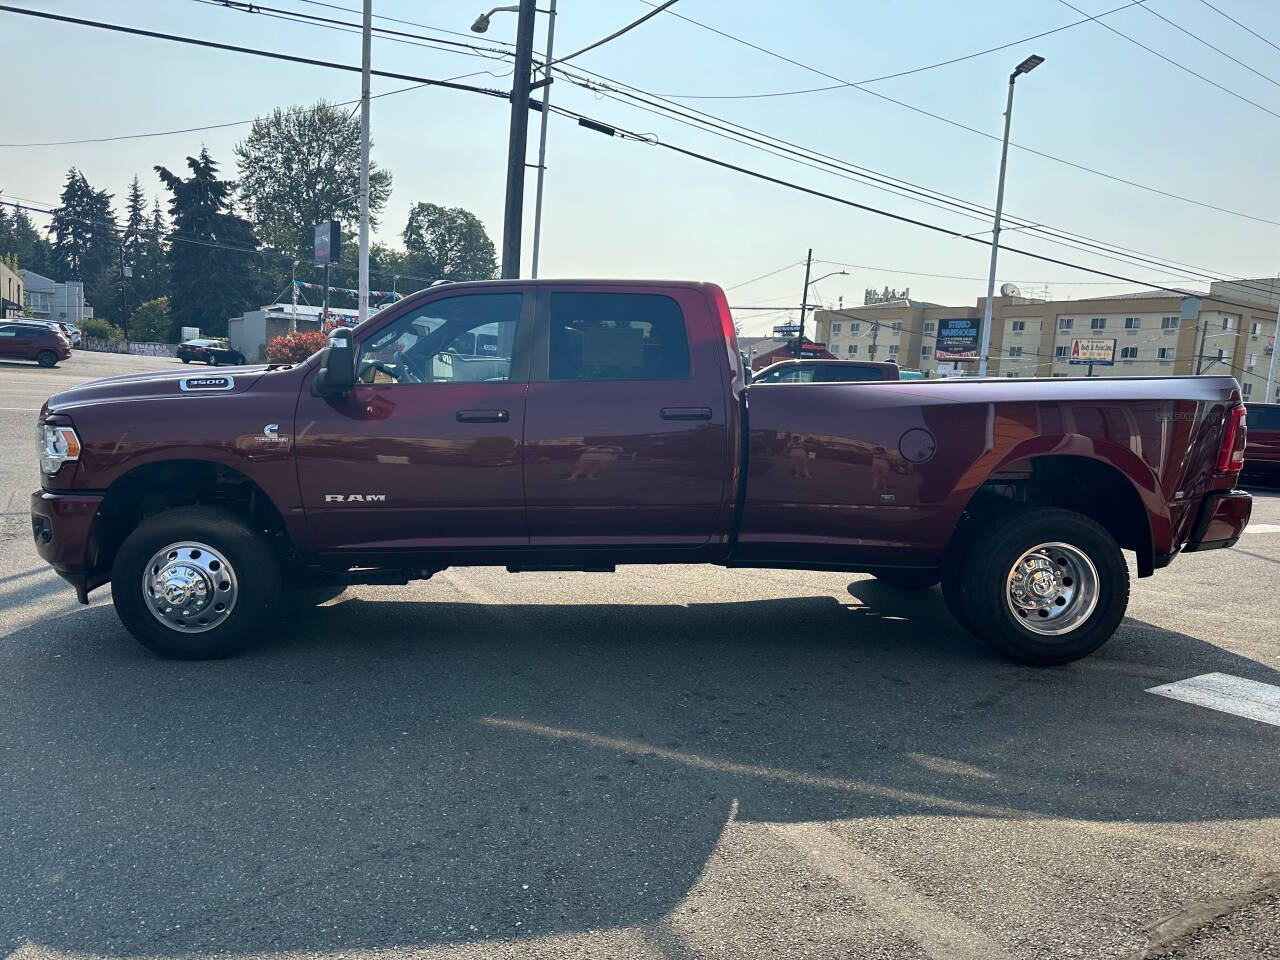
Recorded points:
354,497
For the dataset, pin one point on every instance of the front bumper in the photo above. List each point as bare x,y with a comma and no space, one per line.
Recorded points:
1223,517
62,525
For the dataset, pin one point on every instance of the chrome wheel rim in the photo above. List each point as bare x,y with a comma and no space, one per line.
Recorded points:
189,587
1052,589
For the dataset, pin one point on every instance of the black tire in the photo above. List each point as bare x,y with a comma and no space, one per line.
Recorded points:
252,563
47,358
238,360
213,361
1094,568
185,359
908,579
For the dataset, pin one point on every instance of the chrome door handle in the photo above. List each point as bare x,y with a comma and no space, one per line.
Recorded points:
483,416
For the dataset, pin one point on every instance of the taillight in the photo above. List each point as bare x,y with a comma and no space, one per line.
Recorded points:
1231,456
727,330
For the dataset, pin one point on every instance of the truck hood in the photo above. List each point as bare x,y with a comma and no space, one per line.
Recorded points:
218,382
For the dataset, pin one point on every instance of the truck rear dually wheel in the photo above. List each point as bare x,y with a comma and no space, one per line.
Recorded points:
194,583
1043,586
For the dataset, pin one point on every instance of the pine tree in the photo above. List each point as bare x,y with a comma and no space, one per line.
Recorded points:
85,232
152,259
214,268
135,225
29,245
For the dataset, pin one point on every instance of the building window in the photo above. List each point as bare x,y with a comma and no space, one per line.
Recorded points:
871,351
1255,328
1228,322
1128,353
928,326
893,349
853,348
855,328
1168,323
1060,353
1015,351
1065,323
1247,389
1059,374
924,351
1132,323
1164,353
1019,326
1012,373
1251,361
1098,323
835,328
1222,354
896,326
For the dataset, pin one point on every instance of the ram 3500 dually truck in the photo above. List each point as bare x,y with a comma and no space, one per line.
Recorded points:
577,425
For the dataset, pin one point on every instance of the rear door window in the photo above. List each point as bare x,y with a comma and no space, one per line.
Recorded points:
617,336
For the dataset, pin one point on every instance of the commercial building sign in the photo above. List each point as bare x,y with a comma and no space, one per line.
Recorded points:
328,243
957,339
1099,350
786,330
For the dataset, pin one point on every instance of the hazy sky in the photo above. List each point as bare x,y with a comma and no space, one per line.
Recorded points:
621,208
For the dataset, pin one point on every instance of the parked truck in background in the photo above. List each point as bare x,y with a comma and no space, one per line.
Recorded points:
581,425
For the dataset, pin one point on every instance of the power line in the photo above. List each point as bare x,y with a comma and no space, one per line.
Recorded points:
617,33
1181,66
599,126
906,73
1199,39
764,275
1246,29
974,130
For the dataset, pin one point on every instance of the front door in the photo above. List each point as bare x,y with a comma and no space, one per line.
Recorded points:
624,445
425,452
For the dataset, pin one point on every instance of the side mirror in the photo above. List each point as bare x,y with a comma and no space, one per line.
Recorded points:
337,373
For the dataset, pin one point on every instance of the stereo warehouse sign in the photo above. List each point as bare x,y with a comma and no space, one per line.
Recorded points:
957,339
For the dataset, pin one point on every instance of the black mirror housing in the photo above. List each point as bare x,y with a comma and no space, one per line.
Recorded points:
337,373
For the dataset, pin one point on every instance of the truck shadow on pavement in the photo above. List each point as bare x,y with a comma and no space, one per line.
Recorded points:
396,774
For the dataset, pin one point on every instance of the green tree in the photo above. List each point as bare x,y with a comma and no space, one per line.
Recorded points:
214,268
301,166
151,321
31,248
84,230
448,243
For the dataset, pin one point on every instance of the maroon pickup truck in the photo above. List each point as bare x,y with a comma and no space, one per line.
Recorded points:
577,425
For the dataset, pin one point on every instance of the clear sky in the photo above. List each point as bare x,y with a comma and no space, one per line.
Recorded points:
621,208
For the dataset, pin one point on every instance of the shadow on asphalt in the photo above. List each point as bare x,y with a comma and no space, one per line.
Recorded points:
419,773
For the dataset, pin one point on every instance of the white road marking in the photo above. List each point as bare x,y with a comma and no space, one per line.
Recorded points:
1262,528
1222,691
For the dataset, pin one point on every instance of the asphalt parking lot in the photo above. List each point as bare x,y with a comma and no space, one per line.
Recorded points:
659,763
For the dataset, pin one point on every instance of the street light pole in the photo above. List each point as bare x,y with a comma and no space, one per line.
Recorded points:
517,143
1026,66
364,163
542,136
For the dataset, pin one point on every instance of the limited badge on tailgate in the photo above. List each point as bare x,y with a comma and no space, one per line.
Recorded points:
193,384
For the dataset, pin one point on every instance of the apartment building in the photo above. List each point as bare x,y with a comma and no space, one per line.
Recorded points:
1230,328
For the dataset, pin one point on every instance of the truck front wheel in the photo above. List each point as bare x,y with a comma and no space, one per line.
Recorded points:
194,583
1044,586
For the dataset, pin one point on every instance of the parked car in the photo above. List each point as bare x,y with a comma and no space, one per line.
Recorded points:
212,352
1262,456
68,330
826,371
72,333
544,425
27,340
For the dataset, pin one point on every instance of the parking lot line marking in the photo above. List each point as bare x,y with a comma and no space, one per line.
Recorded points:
1262,528
1222,691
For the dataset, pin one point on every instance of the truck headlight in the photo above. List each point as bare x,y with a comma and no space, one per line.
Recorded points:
57,446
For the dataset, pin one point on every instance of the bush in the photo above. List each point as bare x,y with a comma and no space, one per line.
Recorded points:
150,321
102,329
295,347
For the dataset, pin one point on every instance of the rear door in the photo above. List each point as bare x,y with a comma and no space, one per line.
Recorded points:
18,340
626,439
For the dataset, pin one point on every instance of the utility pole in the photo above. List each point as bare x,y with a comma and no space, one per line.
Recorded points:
517,143
363,313
1204,329
542,136
124,293
804,298
1270,395
293,292
325,314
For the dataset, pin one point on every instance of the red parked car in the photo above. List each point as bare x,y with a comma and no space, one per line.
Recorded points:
1262,457
33,341
578,425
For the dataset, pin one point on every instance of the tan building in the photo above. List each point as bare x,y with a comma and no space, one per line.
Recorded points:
1229,329
10,292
